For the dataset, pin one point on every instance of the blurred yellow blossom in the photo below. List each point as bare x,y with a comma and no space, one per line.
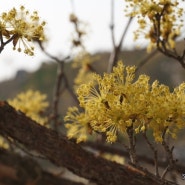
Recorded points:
3,143
32,103
22,28
80,127
83,61
160,21
116,101
113,157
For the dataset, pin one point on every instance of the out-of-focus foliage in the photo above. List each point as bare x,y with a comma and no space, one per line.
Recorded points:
84,62
158,20
32,103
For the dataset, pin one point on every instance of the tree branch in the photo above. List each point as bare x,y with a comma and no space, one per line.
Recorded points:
117,48
63,152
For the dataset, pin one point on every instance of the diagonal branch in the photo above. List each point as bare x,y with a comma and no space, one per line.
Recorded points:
63,152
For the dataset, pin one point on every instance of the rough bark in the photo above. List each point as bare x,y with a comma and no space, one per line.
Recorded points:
63,152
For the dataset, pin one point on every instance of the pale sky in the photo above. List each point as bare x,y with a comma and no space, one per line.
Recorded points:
95,12
56,14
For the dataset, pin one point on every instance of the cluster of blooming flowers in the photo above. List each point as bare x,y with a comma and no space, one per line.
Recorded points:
32,103
158,20
116,101
22,28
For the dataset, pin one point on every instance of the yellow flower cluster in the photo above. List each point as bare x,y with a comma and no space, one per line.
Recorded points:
113,157
80,127
117,101
158,19
4,143
83,61
32,103
22,28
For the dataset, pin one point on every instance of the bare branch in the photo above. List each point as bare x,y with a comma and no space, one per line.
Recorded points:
132,145
50,55
169,152
112,24
56,97
146,59
154,150
3,44
61,77
117,48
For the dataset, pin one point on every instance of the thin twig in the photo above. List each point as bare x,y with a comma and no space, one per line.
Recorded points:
117,48
51,56
71,92
56,98
169,152
112,23
61,77
132,144
146,59
3,44
154,150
